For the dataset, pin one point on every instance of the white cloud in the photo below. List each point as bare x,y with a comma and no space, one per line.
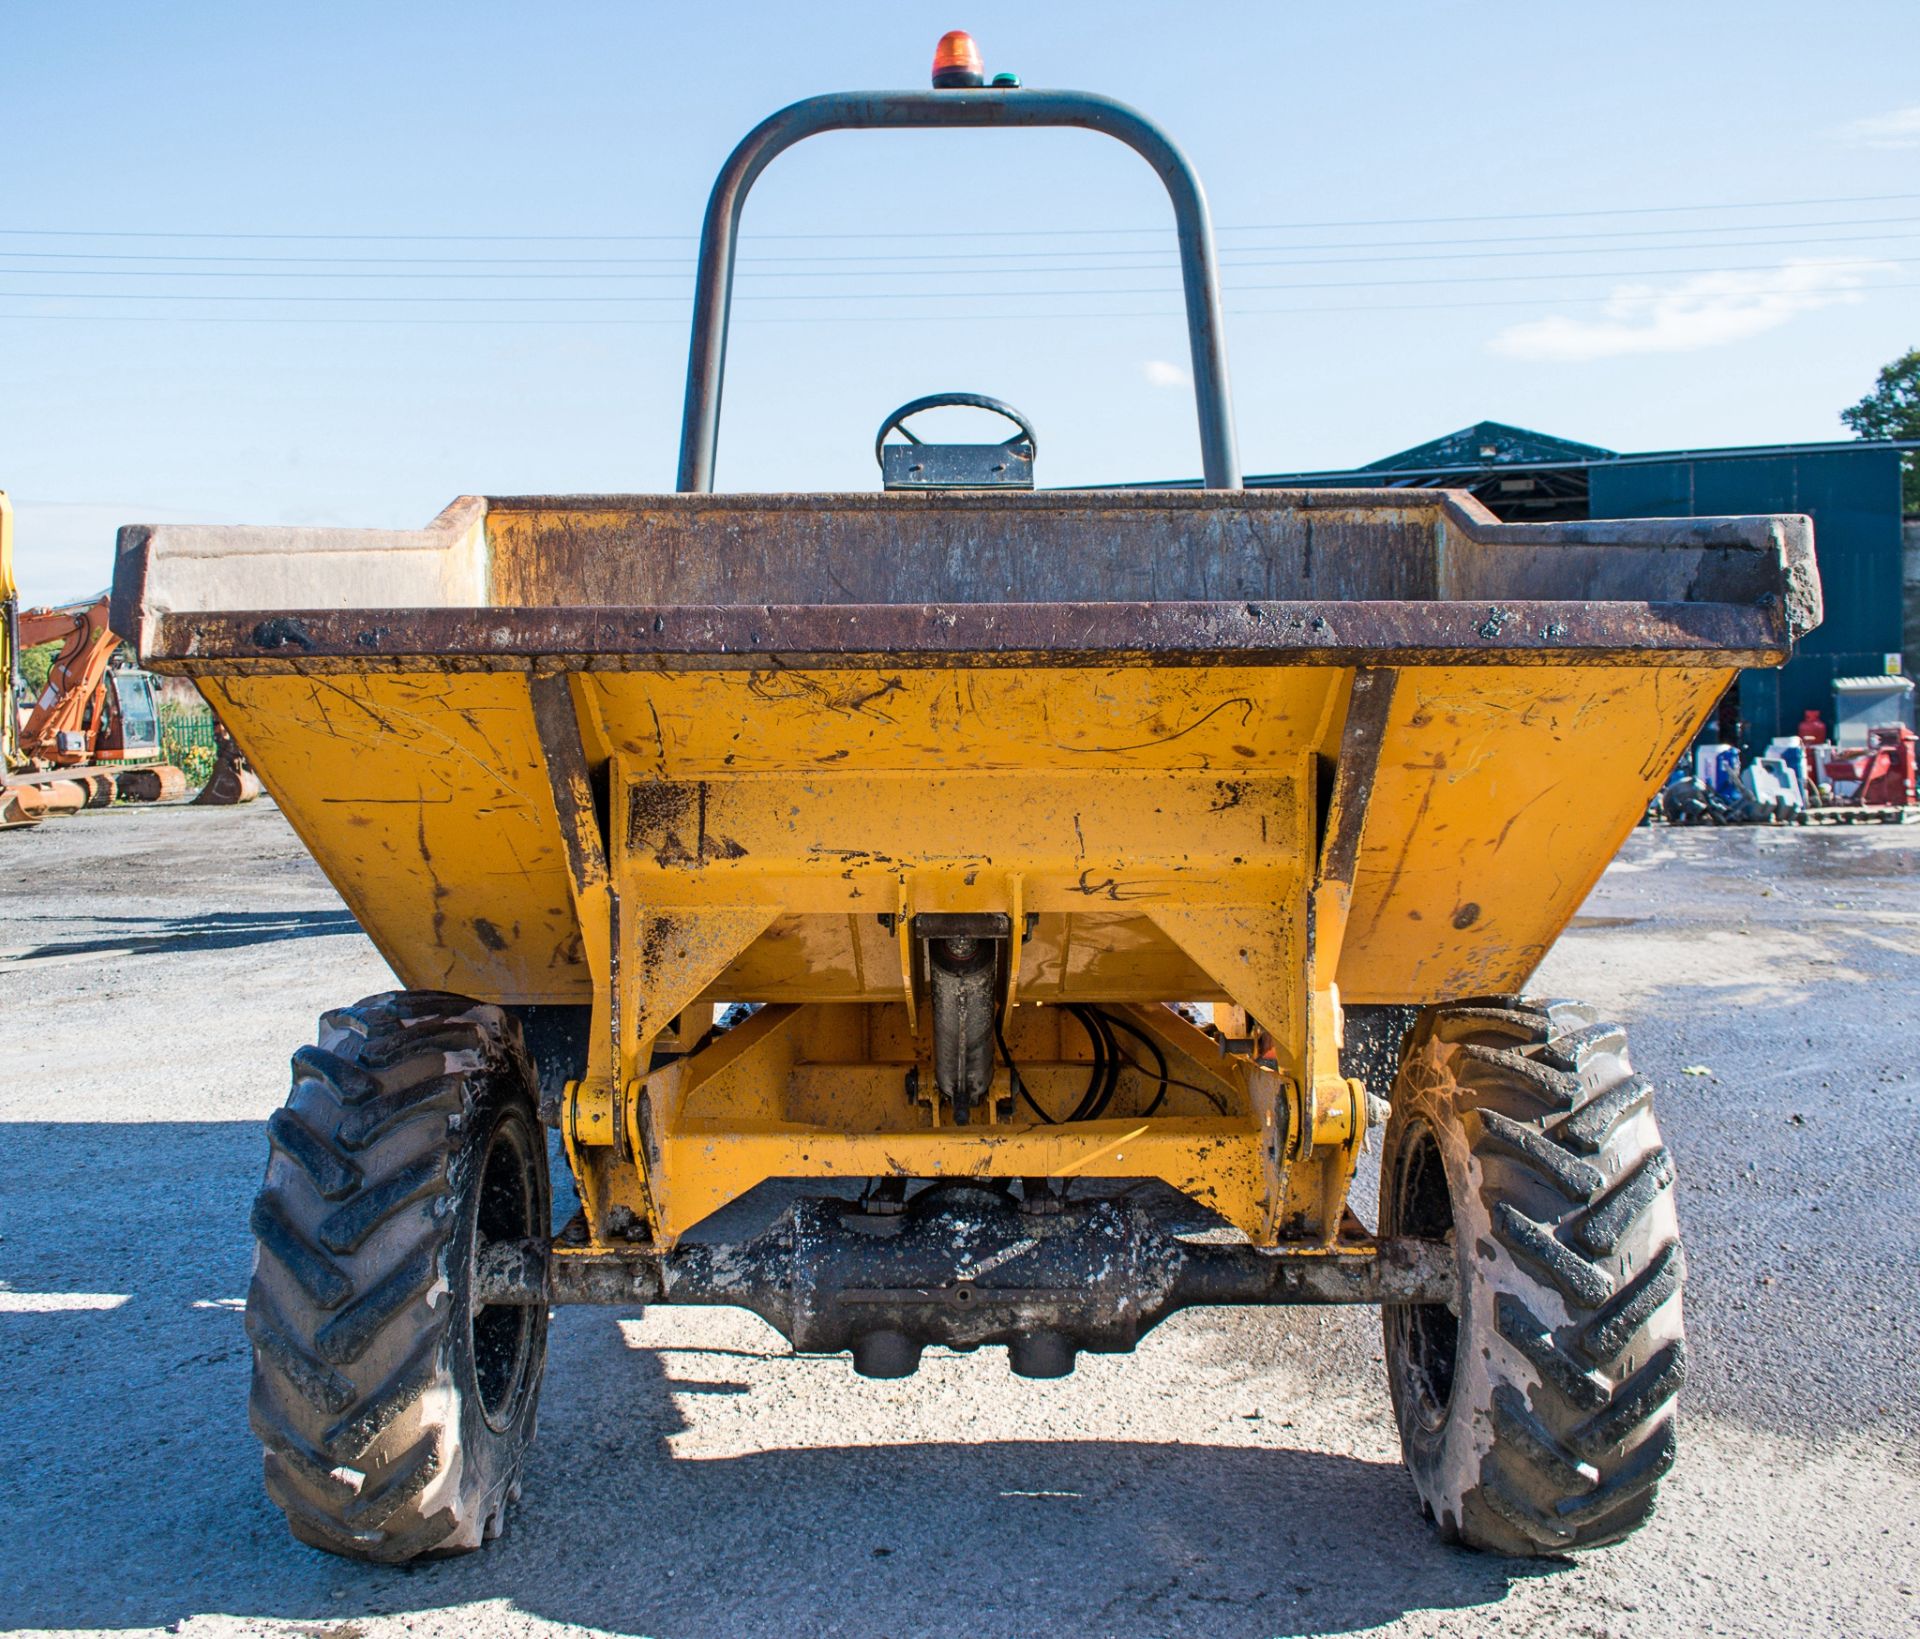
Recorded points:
1898,129
1705,310
1161,373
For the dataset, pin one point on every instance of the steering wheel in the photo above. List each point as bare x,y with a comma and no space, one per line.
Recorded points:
943,401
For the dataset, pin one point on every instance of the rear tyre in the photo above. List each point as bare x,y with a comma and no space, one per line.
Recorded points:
1539,1417
395,1414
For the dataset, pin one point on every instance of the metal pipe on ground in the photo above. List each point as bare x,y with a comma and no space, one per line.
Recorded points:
150,782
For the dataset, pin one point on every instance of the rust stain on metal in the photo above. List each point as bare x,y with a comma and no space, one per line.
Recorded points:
1361,740
798,637
659,811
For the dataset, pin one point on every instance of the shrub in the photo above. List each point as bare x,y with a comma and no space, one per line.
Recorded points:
186,739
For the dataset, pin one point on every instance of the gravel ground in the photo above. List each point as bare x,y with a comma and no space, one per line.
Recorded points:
1237,1477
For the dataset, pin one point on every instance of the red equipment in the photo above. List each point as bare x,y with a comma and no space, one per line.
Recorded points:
1882,776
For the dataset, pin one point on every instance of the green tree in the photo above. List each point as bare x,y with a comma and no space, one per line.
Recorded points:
1892,410
35,663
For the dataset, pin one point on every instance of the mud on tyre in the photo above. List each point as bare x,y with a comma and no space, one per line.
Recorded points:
1539,1418
394,1413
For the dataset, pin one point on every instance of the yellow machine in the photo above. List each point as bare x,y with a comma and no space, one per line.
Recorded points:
91,733
10,753
1025,874
18,805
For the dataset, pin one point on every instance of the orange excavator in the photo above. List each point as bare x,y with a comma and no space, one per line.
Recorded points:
93,733
88,712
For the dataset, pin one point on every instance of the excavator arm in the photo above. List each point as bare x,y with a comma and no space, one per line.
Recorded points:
91,736
75,700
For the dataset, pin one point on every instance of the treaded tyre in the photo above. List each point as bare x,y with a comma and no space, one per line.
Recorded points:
1538,1419
395,1414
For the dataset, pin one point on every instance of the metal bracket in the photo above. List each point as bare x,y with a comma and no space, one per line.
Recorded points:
963,953
957,466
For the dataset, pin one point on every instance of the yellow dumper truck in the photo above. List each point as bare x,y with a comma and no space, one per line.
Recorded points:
998,884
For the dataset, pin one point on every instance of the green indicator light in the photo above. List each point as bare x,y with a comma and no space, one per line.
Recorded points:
1007,82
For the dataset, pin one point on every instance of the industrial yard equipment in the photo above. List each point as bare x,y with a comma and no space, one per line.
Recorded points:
90,735
19,805
92,732
90,710
963,787
1881,775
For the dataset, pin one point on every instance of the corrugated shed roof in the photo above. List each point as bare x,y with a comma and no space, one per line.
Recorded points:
1488,442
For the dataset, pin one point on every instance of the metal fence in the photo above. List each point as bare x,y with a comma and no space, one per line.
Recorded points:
186,739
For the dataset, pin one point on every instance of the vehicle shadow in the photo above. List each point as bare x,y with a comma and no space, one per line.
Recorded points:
167,935
124,1449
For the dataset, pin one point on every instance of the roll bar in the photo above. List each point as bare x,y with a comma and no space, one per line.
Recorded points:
919,110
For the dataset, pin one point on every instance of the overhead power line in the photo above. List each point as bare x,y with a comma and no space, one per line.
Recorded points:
625,322
945,295
685,262
975,233
1154,265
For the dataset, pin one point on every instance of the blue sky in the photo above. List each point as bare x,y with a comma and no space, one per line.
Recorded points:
1430,214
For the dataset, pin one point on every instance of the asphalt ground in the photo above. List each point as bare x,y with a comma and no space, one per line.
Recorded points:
1237,1477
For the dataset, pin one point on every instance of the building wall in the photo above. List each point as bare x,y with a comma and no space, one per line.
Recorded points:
1853,497
1910,589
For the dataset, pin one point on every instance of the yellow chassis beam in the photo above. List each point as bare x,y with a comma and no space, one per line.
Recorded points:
1246,838
1237,1137
1245,881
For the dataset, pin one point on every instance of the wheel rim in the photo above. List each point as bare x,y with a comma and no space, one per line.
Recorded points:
1426,1336
503,1334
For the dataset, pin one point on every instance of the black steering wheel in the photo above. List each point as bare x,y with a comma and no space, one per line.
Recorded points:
944,401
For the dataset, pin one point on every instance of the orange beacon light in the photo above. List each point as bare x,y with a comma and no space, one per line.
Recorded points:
956,62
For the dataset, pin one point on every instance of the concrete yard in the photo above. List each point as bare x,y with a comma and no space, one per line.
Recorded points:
1237,1477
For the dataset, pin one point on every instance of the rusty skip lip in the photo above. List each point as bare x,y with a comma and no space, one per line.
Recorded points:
960,634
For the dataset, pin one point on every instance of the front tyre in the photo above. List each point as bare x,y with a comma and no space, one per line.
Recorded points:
1538,1418
395,1412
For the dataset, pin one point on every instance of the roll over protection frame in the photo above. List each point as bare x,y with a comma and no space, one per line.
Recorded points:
921,110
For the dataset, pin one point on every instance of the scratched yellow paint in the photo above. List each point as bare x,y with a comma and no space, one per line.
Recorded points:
425,799
1503,791
820,1092
842,805
681,724
701,1172
1116,955
1081,840
769,833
